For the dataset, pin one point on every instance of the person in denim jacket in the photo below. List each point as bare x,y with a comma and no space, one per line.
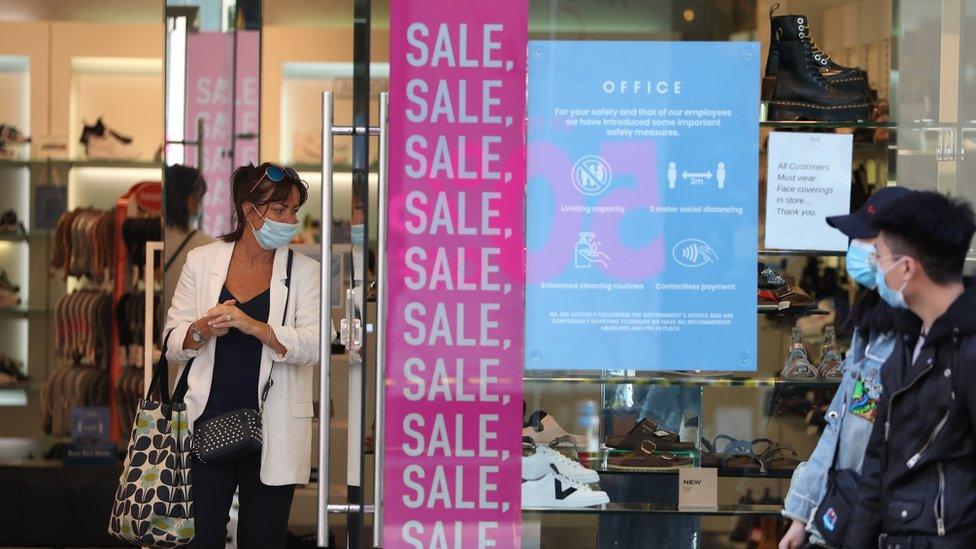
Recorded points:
852,412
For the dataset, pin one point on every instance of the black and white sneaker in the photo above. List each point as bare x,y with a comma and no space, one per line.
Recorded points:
539,460
555,490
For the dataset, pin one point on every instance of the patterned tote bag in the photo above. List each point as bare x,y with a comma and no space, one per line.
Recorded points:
154,500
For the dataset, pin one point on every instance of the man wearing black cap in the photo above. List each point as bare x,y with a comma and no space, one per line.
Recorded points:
841,448
918,487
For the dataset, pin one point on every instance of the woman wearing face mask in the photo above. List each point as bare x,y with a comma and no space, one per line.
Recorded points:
227,315
852,412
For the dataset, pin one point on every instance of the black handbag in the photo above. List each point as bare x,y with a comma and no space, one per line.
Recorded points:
236,434
834,513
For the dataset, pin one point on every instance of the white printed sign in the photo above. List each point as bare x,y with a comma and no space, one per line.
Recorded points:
808,179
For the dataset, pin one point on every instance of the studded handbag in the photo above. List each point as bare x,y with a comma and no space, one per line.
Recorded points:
236,434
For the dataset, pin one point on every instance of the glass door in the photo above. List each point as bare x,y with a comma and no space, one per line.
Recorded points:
323,70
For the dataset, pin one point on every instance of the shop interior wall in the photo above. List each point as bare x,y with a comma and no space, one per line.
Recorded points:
92,65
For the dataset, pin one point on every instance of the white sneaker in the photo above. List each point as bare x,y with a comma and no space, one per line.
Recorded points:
543,429
556,490
545,458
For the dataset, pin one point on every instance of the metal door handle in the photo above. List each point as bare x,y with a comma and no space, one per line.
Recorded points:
379,445
325,320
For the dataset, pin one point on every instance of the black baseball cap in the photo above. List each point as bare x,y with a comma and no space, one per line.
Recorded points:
858,224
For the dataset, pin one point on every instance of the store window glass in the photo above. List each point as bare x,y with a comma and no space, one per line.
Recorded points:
638,417
81,171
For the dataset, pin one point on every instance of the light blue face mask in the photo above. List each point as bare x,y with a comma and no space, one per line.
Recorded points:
274,234
858,262
895,298
357,233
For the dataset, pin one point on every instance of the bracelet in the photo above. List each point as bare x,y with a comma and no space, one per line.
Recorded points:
267,338
196,328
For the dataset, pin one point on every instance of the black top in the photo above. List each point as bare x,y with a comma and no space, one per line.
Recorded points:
237,362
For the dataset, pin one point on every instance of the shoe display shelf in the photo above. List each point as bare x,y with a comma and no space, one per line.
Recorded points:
80,163
685,380
21,311
663,509
775,310
18,320
723,472
14,236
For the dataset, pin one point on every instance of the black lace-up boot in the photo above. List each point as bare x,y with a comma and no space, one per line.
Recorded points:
796,28
803,92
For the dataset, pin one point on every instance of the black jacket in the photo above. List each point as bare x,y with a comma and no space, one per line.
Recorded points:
919,472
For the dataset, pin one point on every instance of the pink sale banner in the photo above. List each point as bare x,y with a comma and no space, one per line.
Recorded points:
457,274
225,111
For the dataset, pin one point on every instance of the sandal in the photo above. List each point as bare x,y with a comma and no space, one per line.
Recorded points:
647,429
646,458
780,459
737,454
709,457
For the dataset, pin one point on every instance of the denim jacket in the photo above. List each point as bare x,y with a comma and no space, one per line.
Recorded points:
855,401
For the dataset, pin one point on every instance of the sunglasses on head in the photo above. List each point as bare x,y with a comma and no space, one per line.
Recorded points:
275,174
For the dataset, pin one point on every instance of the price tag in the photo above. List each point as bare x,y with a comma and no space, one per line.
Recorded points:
697,488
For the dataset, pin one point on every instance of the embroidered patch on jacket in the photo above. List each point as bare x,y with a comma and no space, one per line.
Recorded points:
864,402
830,519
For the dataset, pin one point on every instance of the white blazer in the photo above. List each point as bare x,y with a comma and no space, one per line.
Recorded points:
287,426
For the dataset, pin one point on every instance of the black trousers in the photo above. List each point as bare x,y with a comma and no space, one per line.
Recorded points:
263,519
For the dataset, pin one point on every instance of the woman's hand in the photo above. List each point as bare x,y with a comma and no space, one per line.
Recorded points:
225,316
206,330
795,537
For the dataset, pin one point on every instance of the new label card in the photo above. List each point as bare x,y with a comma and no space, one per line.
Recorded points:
697,488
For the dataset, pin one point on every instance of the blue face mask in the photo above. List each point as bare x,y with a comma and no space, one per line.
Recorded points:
895,298
358,234
274,234
858,262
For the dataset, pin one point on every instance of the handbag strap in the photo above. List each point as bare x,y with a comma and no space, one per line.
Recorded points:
284,315
169,262
183,385
840,426
160,376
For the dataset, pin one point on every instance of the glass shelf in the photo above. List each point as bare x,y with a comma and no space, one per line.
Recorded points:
130,164
20,312
13,236
722,473
801,253
664,509
774,310
317,168
22,236
718,379
800,124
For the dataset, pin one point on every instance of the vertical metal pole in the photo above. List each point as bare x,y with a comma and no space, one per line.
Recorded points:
233,93
325,321
360,187
379,446
150,314
201,154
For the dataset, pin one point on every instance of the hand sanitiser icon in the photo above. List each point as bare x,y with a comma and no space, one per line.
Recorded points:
587,252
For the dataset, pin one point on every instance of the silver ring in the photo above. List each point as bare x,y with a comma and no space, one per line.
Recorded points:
228,317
